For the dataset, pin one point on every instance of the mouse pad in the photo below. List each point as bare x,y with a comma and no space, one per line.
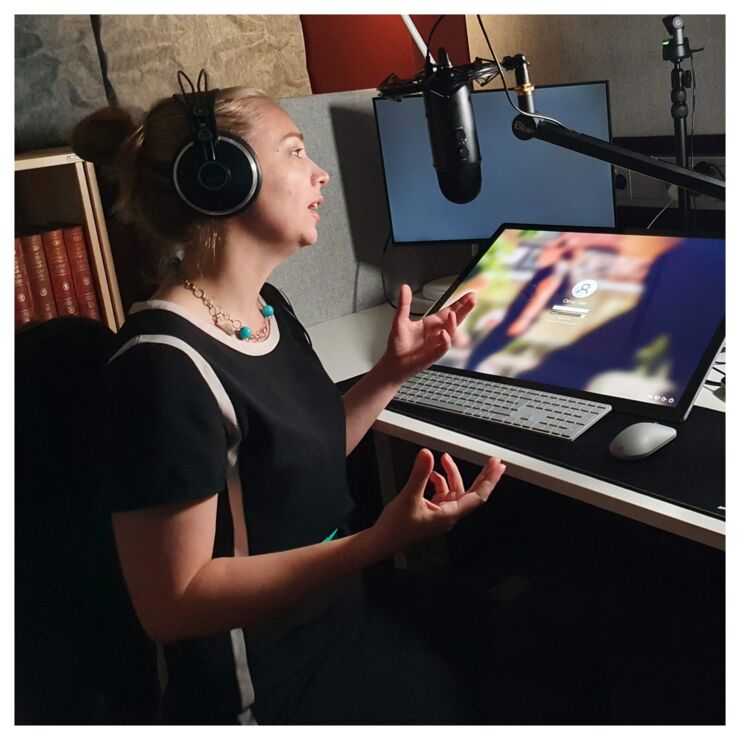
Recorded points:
689,471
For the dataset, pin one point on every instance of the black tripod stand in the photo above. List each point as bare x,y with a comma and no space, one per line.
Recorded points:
676,49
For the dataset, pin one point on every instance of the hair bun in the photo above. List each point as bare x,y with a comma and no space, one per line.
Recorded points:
98,137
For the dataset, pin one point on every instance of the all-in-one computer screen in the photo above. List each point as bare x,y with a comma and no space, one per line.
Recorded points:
634,318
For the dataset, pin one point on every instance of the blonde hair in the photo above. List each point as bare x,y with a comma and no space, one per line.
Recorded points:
142,155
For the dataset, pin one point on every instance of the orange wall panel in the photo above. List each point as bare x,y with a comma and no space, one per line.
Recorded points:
355,52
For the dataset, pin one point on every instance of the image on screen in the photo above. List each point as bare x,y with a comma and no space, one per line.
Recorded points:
522,181
627,316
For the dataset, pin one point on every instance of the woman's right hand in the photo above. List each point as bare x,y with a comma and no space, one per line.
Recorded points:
410,517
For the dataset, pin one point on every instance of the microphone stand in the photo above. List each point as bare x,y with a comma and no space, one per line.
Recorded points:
525,128
675,50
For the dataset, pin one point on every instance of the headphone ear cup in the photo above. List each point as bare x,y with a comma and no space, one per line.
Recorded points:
222,187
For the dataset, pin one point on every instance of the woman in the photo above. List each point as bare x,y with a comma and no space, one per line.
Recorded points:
224,450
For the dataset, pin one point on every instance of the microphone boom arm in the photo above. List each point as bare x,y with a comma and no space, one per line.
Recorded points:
528,127
525,128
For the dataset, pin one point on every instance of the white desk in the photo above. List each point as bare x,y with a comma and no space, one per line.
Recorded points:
351,345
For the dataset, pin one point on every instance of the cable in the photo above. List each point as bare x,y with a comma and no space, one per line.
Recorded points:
506,89
429,40
692,196
382,276
382,272
693,111
660,214
714,384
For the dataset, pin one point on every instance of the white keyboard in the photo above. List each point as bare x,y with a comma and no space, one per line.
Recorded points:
537,411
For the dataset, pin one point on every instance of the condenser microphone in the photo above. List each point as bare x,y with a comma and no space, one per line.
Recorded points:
452,133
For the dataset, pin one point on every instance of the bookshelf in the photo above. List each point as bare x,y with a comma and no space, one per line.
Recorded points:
55,185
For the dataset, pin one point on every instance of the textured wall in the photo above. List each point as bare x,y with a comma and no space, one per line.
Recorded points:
57,78
143,54
626,50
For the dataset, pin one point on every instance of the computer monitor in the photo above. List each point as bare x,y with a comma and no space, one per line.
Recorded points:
522,181
631,318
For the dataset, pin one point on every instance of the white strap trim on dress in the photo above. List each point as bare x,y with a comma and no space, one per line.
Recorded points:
234,489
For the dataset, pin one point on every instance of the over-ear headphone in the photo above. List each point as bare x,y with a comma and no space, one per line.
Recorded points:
215,174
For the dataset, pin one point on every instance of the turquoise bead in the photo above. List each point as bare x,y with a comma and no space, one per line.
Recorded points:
244,333
267,310
331,536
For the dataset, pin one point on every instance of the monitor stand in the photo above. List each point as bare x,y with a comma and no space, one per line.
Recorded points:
435,289
432,291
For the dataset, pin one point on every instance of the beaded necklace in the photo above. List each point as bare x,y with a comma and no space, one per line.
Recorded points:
232,327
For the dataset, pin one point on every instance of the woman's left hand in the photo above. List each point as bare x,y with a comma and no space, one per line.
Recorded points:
414,345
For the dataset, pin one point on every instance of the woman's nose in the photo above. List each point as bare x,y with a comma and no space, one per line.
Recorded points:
322,176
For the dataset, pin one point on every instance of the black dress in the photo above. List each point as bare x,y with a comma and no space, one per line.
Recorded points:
337,659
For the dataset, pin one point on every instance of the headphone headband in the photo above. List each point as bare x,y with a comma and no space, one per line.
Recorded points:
200,109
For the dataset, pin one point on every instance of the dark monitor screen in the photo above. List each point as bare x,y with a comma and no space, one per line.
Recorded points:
633,318
522,181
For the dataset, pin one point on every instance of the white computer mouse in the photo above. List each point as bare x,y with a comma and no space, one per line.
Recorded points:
640,440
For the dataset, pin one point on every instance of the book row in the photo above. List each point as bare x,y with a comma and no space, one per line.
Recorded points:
53,277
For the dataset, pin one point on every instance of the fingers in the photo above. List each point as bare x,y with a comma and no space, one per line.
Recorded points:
488,478
441,489
403,310
464,303
444,342
442,334
448,508
483,472
467,503
463,306
423,467
457,506
450,499
442,326
453,474
459,309
451,323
